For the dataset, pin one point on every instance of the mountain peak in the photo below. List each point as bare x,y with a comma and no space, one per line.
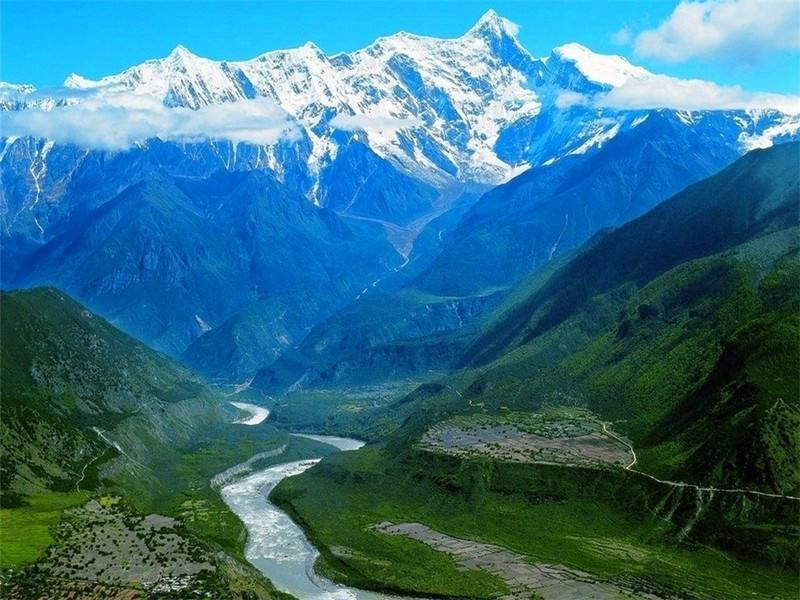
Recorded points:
310,48
572,50
606,69
493,25
181,53
78,81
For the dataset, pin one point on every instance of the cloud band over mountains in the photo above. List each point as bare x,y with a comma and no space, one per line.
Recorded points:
662,91
367,123
115,120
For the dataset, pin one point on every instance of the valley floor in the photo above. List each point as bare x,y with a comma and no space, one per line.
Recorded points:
550,582
575,529
161,532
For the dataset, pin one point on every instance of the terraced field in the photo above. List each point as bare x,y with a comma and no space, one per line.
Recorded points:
523,578
562,436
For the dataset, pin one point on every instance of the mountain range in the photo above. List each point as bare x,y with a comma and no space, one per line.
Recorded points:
563,321
679,329
376,183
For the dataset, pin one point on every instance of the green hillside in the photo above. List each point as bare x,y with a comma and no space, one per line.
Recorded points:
656,325
67,374
674,337
90,414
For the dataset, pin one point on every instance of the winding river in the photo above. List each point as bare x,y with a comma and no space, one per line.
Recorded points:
276,545
256,413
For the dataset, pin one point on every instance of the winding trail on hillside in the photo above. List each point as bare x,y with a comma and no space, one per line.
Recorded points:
681,484
83,471
102,435
624,443
676,484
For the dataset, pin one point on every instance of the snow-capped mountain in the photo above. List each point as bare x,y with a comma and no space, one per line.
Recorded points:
439,109
478,109
202,242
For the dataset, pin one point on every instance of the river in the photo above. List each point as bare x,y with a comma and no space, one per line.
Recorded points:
257,414
275,544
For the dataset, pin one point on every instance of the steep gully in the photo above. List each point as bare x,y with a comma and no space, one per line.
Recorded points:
402,237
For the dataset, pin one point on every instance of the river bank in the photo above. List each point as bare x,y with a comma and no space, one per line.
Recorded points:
276,545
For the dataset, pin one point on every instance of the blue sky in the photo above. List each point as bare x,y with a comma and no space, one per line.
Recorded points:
752,46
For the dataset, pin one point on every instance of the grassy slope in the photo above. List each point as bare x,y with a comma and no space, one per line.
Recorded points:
666,363
354,554
650,327
383,336
356,412
26,530
682,328
598,522
755,195
64,371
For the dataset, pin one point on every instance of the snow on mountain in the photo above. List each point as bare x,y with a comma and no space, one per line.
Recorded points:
15,88
383,137
474,108
598,68
18,97
458,93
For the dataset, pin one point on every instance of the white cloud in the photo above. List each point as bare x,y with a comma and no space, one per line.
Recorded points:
622,37
740,30
374,123
661,91
567,98
114,120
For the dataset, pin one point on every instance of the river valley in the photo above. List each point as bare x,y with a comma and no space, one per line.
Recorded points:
276,545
